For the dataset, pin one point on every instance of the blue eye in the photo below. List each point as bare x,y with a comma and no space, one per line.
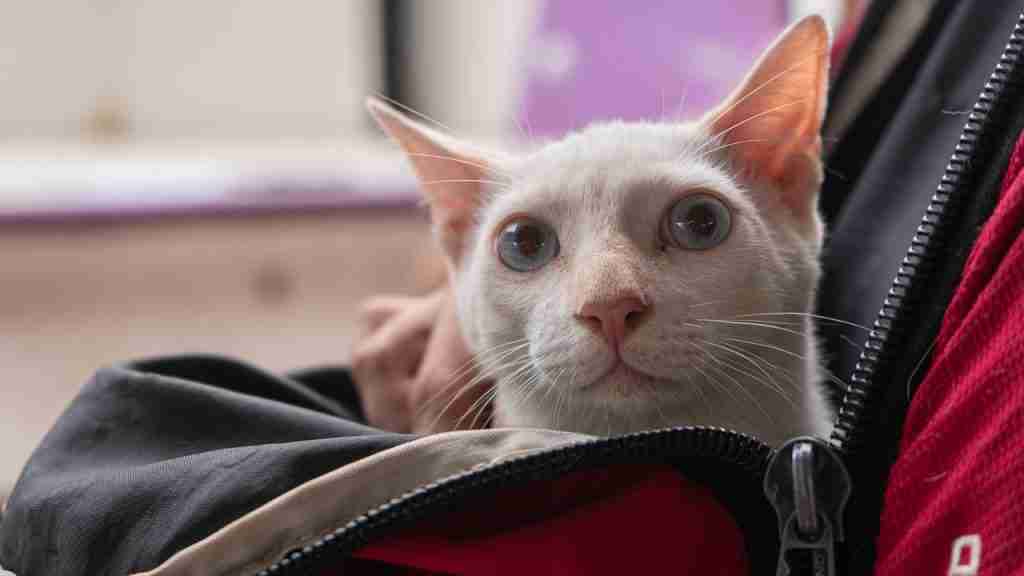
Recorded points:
525,244
699,222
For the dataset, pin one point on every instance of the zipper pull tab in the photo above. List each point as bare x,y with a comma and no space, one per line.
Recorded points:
808,485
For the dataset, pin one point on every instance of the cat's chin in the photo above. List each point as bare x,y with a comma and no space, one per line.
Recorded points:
623,381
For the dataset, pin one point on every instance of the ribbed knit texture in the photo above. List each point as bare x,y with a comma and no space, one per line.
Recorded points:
960,472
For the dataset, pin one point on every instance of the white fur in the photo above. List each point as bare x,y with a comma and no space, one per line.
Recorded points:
726,339
605,192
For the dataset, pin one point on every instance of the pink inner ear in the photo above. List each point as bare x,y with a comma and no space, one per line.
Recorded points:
778,109
452,177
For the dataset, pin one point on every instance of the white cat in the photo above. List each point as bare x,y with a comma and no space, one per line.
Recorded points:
641,275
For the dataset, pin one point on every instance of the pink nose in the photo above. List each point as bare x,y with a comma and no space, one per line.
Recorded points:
615,318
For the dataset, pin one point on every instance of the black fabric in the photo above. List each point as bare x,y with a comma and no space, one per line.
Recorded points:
848,159
902,165
887,196
868,29
153,456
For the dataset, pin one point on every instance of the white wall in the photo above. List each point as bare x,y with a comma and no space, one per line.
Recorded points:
193,69
467,61
50,67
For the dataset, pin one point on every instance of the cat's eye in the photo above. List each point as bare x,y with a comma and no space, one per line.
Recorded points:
526,244
698,222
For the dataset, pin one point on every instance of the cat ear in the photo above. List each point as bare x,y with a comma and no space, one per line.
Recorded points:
452,175
772,122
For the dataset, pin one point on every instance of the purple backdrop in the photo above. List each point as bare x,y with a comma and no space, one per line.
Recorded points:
600,59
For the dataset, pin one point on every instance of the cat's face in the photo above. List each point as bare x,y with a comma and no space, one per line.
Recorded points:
635,276
605,256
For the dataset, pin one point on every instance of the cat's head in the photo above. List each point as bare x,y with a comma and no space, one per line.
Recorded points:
612,280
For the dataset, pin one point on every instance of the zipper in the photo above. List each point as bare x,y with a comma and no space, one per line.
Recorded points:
807,480
862,400
856,435
745,457
808,485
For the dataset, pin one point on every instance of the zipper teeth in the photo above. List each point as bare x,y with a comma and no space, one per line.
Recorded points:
863,392
746,453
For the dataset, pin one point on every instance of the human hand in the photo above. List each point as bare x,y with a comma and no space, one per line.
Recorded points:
412,367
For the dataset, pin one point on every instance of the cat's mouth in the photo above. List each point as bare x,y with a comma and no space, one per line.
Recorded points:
624,378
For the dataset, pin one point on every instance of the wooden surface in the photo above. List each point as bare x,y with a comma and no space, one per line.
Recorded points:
279,291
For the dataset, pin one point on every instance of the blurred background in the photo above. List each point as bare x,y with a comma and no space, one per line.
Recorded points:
200,175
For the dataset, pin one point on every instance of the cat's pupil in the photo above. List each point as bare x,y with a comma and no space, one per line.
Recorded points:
528,239
701,220
526,245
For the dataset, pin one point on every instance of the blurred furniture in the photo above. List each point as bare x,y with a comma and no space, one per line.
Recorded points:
275,284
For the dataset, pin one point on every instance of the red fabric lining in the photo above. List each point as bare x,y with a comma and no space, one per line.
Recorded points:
960,472
626,519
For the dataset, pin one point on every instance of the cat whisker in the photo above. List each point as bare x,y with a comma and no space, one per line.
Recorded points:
560,397
484,398
794,323
482,378
728,145
704,355
751,324
766,83
768,346
836,173
527,380
708,303
412,111
697,388
519,126
499,184
850,342
475,382
529,128
809,315
779,325
478,408
459,161
533,384
661,112
831,377
741,388
558,376
552,386
709,380
721,133
754,359
520,388
657,408
682,102
493,355
798,324
572,383
917,366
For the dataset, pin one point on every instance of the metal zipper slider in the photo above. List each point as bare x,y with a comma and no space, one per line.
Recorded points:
808,485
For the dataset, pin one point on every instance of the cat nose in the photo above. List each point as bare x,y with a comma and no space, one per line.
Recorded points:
614,318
